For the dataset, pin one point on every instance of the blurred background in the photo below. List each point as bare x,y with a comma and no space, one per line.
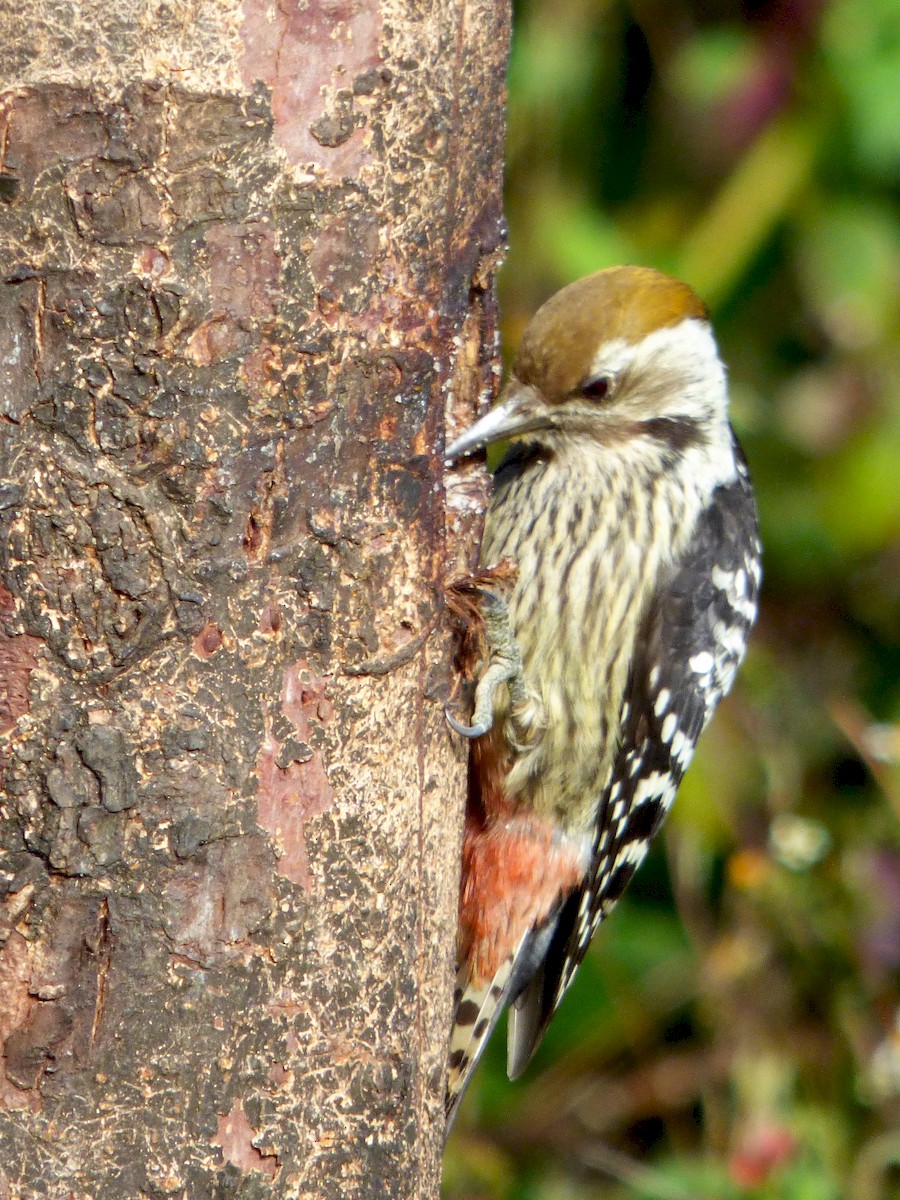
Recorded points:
735,1030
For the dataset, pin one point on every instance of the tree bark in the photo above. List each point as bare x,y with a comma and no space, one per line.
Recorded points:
248,254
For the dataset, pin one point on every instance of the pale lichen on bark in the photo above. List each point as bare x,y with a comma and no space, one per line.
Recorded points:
246,250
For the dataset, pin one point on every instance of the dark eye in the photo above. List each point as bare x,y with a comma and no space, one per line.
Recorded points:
598,388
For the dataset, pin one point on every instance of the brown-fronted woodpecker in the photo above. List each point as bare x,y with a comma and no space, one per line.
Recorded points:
620,570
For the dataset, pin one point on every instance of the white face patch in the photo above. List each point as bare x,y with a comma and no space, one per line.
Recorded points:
683,359
613,358
673,374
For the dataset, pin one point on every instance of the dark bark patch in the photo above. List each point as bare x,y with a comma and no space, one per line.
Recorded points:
17,661
97,611
214,902
19,371
105,752
49,126
333,128
115,205
101,832
270,487
32,1048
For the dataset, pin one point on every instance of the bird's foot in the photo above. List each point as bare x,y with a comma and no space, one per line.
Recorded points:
504,667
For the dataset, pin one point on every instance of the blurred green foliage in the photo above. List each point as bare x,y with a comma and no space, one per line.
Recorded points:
735,1030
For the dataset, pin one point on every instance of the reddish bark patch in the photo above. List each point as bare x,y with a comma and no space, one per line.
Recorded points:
152,262
262,370
256,533
52,994
336,259
17,661
235,1136
16,1007
303,698
208,640
303,53
280,1076
293,784
33,1048
214,340
244,269
270,621
261,518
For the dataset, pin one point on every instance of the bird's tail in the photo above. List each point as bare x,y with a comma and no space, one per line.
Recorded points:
478,1009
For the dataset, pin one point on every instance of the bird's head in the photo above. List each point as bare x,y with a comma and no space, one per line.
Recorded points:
627,352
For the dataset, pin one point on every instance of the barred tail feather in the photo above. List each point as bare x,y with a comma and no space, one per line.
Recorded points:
480,1006
477,1012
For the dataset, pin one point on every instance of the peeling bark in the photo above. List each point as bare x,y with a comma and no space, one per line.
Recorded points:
247,255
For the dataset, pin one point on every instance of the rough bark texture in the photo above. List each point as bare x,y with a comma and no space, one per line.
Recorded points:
247,257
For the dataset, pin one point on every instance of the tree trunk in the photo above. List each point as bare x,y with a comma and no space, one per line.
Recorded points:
247,253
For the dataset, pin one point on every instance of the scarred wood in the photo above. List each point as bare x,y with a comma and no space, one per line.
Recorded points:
247,257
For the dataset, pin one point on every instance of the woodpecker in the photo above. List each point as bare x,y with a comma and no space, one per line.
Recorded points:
620,570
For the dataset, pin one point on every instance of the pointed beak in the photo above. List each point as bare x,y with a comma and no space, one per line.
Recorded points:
520,411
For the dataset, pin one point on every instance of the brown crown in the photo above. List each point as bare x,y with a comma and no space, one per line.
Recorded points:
564,335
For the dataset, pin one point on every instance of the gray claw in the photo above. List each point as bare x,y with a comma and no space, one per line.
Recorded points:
466,731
